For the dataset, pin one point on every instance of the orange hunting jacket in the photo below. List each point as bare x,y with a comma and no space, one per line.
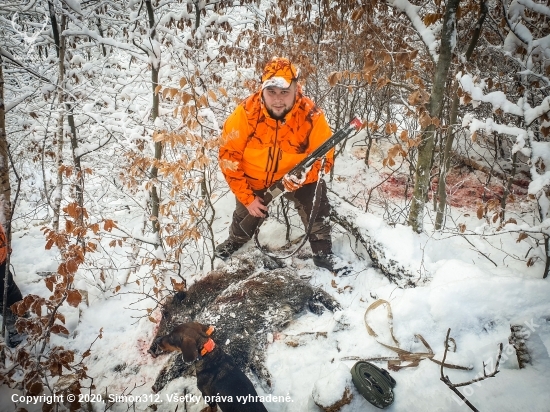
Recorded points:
3,246
257,150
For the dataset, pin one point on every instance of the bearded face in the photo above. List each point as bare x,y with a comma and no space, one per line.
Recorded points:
279,101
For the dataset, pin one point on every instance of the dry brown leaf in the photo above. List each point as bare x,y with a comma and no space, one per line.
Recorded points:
382,81
387,128
178,286
357,14
425,119
480,212
334,78
186,97
59,329
368,77
173,92
522,236
74,298
431,18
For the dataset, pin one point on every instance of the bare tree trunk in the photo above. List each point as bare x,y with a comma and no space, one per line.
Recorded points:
100,30
154,114
547,251
79,186
508,188
446,163
426,147
5,192
58,191
55,29
5,187
197,15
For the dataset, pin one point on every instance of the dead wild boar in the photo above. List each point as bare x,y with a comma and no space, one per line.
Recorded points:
247,299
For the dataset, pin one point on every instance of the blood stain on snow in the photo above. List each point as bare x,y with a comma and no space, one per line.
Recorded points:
464,189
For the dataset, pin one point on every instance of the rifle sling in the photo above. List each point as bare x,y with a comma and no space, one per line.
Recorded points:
312,217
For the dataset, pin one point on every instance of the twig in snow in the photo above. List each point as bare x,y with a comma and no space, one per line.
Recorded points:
453,386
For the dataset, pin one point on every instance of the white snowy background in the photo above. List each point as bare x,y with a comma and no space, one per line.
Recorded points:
465,283
459,289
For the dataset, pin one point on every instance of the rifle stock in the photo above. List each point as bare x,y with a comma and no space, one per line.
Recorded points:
250,223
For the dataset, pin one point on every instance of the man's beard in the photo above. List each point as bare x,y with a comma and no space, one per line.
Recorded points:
280,116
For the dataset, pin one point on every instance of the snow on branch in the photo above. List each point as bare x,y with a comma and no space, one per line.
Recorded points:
9,56
87,148
84,31
540,176
427,35
534,113
536,7
74,5
13,103
497,99
372,233
489,125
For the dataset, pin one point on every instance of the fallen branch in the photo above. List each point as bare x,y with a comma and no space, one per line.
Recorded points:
468,161
453,386
345,217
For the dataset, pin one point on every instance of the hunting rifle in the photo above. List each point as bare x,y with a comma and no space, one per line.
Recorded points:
250,223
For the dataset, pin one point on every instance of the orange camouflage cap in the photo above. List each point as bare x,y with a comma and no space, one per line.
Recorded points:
279,72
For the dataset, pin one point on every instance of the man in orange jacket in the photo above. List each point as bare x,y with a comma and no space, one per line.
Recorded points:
268,134
13,295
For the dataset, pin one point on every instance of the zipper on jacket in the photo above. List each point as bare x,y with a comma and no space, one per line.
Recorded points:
269,164
273,158
277,154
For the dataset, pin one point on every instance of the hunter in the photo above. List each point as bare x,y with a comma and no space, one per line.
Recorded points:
13,293
264,138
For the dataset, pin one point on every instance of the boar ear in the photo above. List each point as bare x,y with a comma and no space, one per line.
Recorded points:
189,349
180,296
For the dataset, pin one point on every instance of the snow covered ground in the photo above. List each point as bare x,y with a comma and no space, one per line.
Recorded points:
458,288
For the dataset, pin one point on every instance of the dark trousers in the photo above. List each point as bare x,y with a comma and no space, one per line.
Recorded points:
14,294
319,237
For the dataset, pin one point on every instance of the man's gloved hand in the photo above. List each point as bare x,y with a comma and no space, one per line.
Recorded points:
257,207
292,183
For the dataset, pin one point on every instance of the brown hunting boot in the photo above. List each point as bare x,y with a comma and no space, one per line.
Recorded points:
225,249
331,262
14,338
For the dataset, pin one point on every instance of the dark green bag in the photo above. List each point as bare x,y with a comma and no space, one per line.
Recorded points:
374,383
